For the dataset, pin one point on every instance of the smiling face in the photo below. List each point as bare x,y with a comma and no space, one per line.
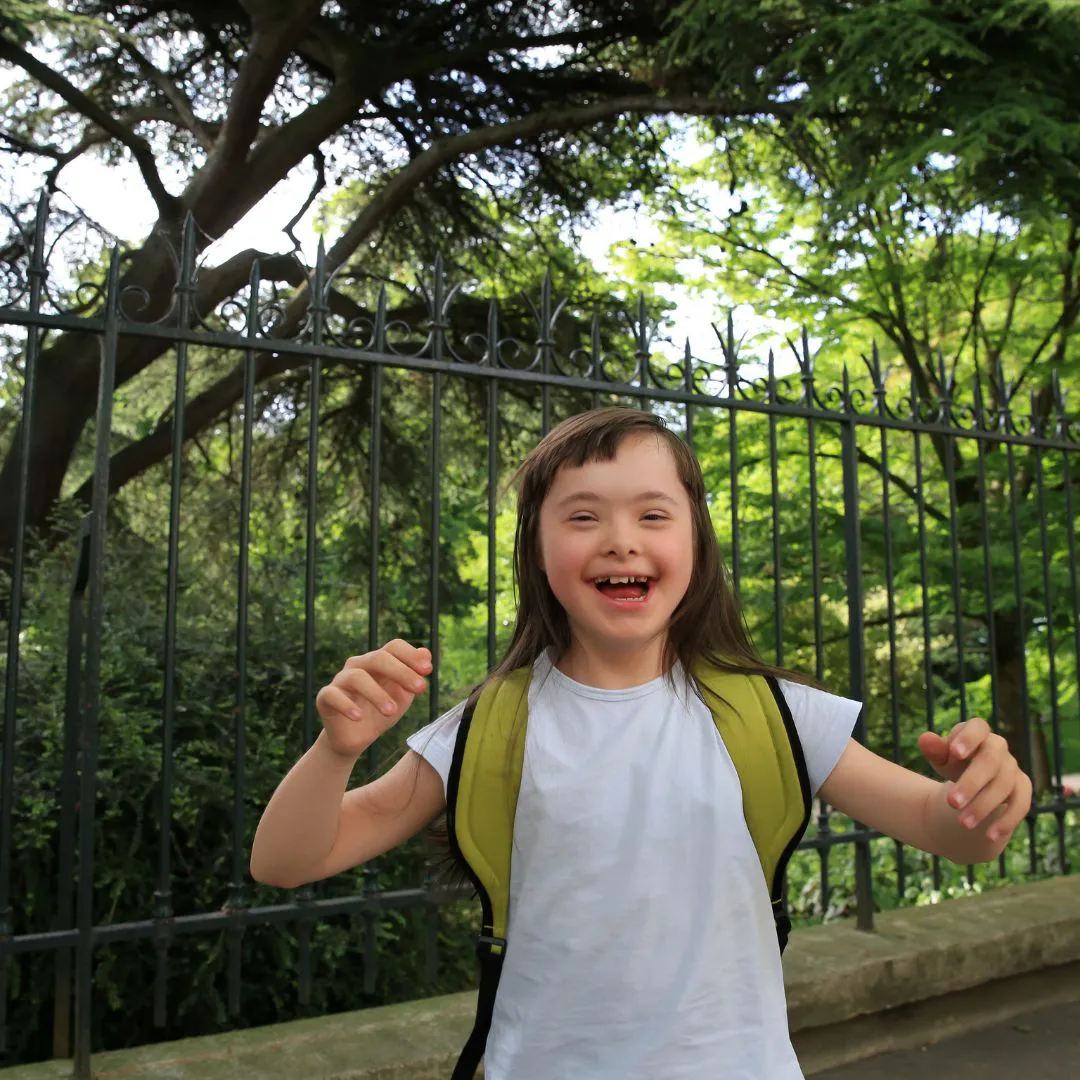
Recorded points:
625,518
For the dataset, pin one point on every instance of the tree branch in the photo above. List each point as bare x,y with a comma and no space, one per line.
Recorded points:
905,486
167,205
275,31
316,187
95,136
1070,310
173,94
396,192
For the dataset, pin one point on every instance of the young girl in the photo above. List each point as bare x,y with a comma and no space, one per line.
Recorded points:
641,944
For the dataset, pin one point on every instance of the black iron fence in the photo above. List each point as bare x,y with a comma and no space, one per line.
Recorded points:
907,539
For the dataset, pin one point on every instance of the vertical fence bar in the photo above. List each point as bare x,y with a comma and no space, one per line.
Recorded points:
237,898
988,573
731,369
774,490
890,597
806,369
493,479
370,872
1070,533
596,356
545,345
951,453
957,594
1057,751
864,898
36,273
1021,634
809,400
163,910
688,386
306,894
642,346
69,789
84,949
924,579
439,338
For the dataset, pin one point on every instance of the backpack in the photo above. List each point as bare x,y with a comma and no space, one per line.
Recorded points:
756,726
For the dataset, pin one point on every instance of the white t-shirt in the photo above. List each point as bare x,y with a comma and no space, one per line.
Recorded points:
641,938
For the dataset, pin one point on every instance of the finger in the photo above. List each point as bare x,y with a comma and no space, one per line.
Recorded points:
386,664
362,687
991,798
967,737
1017,810
419,659
934,748
981,769
332,700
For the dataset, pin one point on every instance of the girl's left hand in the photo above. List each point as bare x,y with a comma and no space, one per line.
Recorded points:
987,783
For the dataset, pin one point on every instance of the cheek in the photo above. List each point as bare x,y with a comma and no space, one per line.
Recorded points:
562,562
678,557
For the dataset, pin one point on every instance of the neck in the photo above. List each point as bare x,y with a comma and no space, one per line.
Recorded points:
612,669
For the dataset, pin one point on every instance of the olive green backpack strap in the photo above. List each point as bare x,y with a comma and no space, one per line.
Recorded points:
481,800
756,725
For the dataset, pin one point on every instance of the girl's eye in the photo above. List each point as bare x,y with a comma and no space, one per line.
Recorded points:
655,517
581,517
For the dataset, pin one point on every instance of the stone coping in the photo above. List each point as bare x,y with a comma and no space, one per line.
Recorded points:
833,973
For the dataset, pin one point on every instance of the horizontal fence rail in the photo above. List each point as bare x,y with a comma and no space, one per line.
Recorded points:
910,544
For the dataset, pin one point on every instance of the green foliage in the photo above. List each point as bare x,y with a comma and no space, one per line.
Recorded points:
986,82
1033,854
202,822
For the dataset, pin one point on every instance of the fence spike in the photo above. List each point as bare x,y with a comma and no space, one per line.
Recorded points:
546,294
380,319
318,291
492,357
41,222
873,365
1061,420
187,252
596,346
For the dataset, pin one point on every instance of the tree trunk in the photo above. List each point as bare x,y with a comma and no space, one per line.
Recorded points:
1026,744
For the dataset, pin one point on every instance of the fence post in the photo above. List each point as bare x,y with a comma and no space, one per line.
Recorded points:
864,896
69,789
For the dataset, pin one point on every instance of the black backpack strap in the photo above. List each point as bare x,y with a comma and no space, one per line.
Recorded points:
491,963
776,887
490,950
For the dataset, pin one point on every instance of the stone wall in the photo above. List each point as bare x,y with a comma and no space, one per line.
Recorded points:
923,974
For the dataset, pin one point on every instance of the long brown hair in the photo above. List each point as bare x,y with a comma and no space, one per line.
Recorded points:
708,623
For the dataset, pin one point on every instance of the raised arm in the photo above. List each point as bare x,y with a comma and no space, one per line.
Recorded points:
312,828
967,819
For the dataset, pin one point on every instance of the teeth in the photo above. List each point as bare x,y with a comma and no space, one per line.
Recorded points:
622,580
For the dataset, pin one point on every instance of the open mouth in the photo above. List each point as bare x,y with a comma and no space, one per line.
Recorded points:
630,590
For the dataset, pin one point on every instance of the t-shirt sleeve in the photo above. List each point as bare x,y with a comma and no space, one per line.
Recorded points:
435,742
824,723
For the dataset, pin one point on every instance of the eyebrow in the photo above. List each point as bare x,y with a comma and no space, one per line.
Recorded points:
591,496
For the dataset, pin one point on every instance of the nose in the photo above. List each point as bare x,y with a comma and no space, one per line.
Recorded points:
621,541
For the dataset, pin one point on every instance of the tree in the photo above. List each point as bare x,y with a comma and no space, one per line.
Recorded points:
542,107
955,248
421,102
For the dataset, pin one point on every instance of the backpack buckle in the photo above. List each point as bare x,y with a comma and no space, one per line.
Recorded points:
489,945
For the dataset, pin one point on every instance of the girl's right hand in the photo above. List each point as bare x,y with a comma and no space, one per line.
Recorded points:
370,694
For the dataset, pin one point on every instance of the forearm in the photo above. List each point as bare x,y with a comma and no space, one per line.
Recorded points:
947,837
300,823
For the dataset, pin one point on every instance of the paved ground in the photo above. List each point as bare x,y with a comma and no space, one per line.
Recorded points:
1040,1045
